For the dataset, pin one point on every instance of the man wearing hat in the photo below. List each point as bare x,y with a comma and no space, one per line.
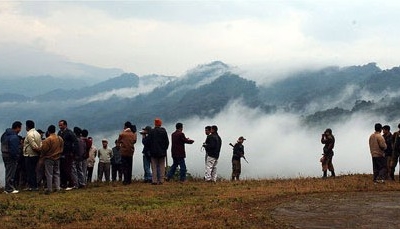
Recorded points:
104,153
238,152
146,154
158,142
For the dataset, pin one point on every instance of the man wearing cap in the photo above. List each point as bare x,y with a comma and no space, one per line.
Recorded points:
238,153
158,142
104,154
148,177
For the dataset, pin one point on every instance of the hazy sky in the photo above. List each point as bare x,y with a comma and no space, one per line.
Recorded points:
170,37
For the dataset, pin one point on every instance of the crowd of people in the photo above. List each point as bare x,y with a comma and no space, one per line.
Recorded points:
385,152
384,149
65,160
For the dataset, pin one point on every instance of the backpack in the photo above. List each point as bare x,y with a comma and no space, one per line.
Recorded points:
4,143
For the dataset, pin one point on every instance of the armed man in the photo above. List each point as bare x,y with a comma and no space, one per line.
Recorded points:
238,153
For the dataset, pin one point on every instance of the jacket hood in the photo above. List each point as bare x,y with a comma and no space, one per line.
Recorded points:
10,131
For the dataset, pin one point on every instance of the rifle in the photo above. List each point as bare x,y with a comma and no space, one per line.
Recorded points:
242,155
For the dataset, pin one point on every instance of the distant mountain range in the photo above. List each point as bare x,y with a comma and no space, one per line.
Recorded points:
323,96
18,63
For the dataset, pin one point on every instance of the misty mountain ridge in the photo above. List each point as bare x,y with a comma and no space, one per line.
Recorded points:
324,96
24,61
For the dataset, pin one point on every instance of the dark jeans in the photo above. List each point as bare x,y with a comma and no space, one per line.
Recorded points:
20,174
182,168
147,168
10,167
89,174
30,165
66,179
127,169
116,168
379,167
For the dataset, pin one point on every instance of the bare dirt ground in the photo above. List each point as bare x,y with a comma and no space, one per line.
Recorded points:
341,210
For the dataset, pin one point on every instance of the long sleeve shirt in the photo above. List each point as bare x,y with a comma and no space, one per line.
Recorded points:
52,147
32,143
377,145
105,155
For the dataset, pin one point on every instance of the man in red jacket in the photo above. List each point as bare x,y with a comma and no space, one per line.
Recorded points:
178,152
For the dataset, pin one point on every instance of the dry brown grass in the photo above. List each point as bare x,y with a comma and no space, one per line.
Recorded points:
194,204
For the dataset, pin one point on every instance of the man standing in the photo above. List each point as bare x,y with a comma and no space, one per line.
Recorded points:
207,131
238,153
105,154
77,164
159,142
377,146
388,151
32,144
396,151
91,161
10,147
88,145
116,163
67,156
326,161
146,154
179,140
213,147
52,148
126,140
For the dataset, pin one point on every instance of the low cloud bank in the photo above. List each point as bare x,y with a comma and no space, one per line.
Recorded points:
277,146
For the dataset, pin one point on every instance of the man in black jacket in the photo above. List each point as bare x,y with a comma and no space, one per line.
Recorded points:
213,147
158,142
238,153
67,157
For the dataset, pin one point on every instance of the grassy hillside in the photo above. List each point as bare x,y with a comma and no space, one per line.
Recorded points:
194,204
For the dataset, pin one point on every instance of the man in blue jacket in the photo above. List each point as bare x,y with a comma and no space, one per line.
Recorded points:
10,146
